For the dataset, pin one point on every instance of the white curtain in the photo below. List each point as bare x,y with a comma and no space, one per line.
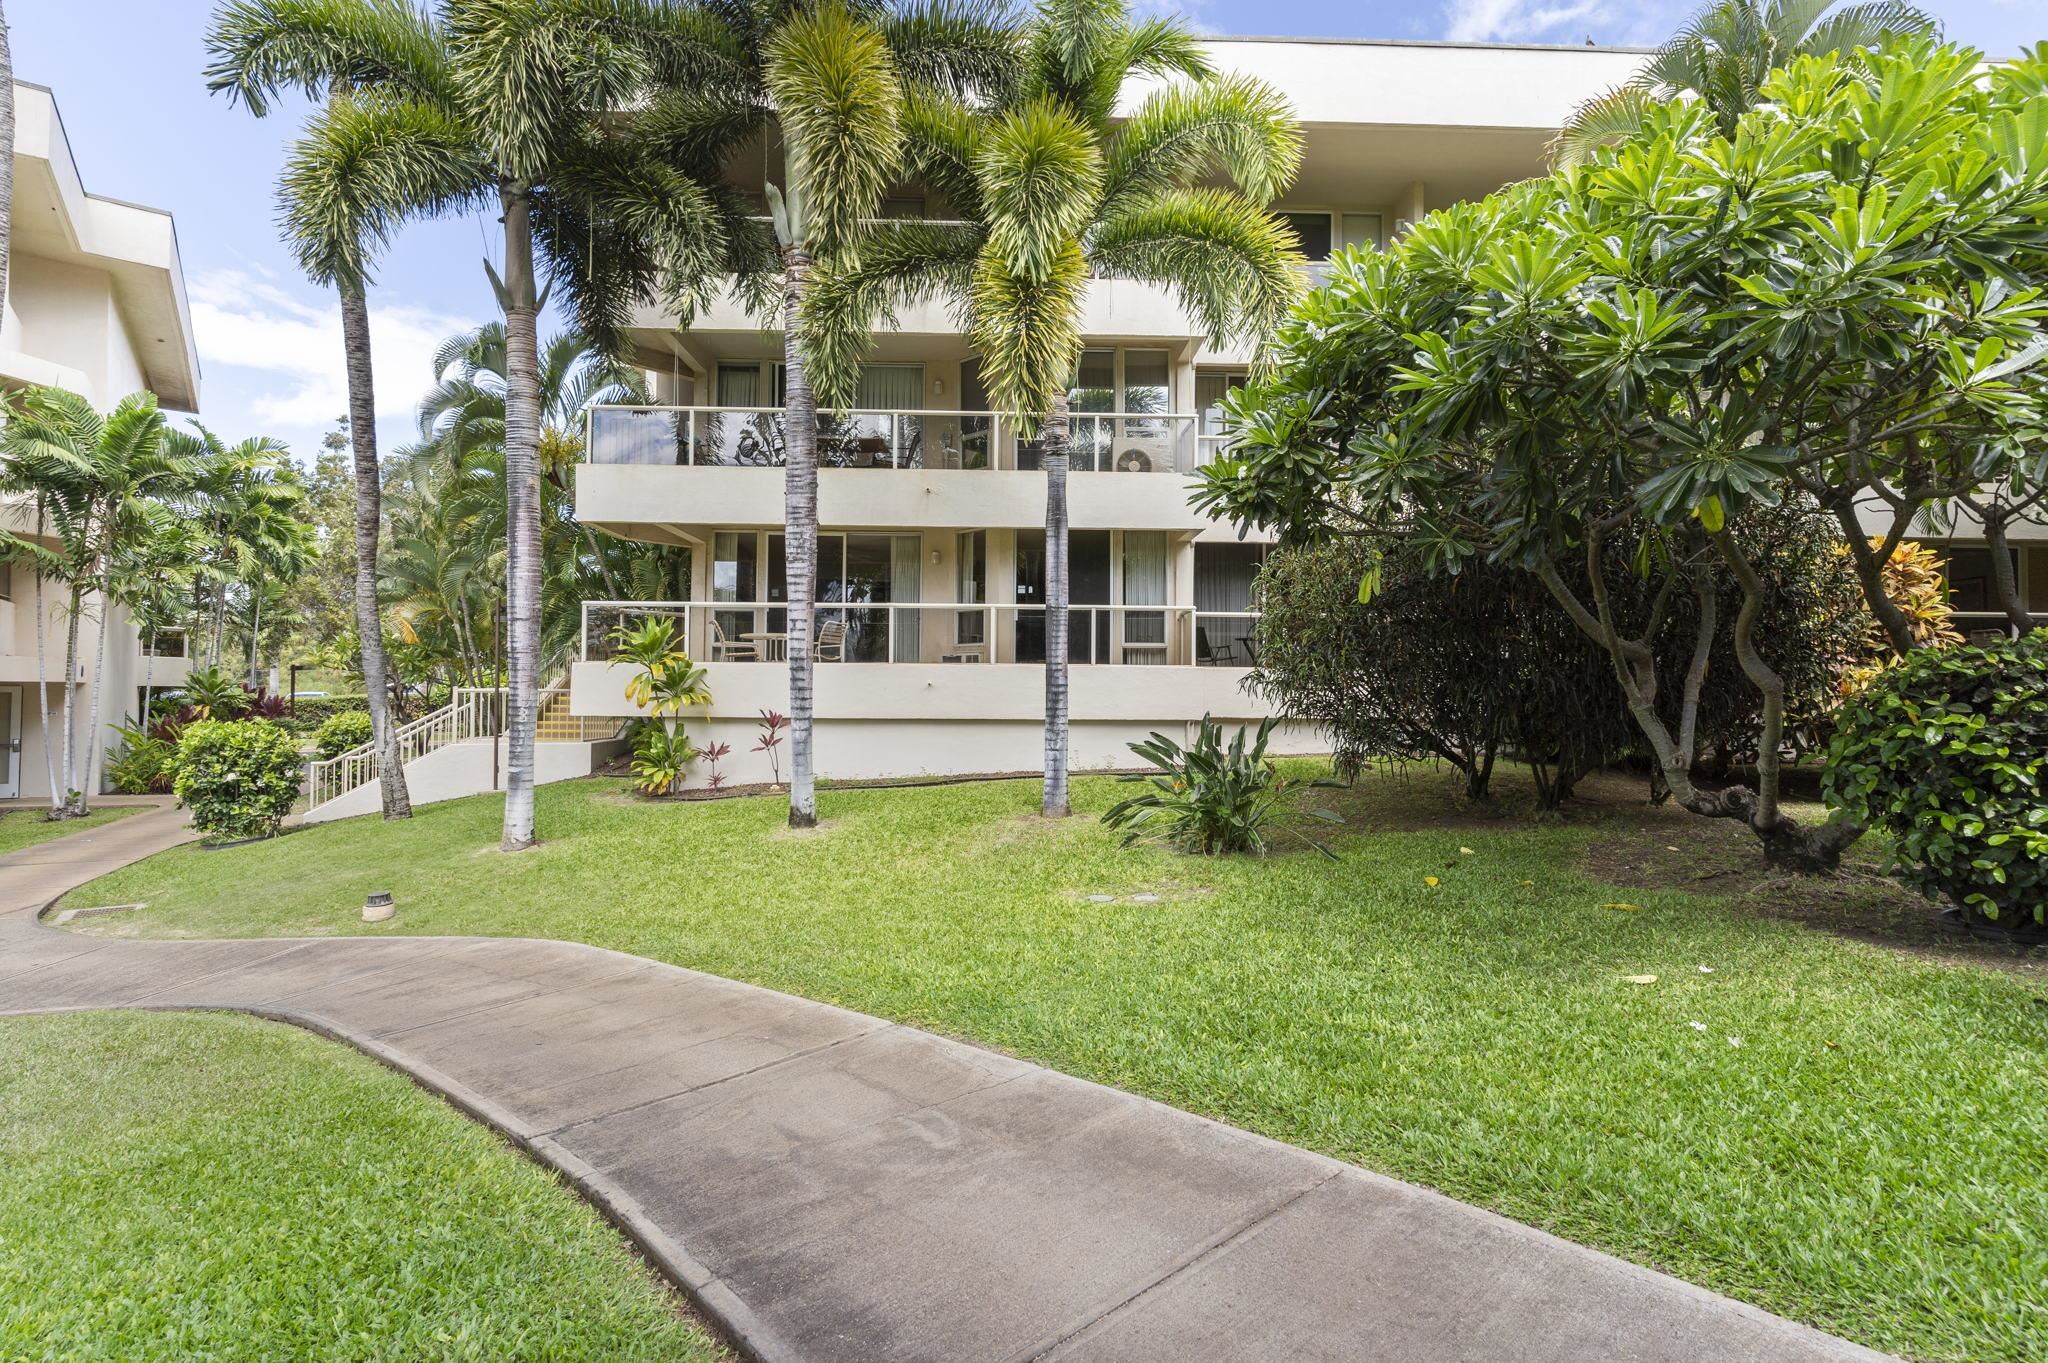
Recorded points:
890,388
1147,564
906,574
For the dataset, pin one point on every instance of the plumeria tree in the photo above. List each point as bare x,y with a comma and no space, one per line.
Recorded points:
1838,299
1051,187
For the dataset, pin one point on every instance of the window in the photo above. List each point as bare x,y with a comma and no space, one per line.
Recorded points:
1147,572
903,206
1311,233
1970,588
856,572
739,385
970,583
1211,386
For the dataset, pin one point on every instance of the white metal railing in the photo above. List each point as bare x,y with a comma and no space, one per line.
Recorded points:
1101,442
1985,626
933,632
472,712
163,643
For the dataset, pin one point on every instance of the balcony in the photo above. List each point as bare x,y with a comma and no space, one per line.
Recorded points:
953,634
753,437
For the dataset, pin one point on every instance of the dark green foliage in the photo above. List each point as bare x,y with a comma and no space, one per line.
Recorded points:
1213,799
144,763
239,778
215,693
1460,669
1947,755
339,733
308,713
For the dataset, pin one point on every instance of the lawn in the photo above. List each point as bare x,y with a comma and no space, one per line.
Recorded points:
1842,1132
195,1186
21,828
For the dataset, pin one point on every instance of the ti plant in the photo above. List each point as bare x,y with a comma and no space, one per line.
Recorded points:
1213,799
668,683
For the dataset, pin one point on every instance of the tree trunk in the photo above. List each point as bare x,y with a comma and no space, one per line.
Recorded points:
522,513
800,537
43,689
71,666
1870,575
6,158
255,631
2005,583
362,439
99,683
1054,440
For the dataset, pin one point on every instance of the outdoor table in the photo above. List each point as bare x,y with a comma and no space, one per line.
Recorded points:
773,647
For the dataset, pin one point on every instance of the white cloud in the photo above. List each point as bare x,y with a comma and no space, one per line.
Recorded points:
248,321
1475,21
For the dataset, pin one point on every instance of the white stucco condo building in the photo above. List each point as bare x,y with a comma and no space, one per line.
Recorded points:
95,304
931,510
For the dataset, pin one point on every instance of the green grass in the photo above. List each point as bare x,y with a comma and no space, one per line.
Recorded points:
192,1186
21,828
1866,1159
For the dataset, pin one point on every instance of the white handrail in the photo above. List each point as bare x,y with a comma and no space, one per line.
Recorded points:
1125,641
472,712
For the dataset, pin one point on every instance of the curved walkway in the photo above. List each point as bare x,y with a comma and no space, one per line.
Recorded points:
834,1188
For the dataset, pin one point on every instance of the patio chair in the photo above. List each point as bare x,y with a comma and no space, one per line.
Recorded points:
724,650
831,642
1208,656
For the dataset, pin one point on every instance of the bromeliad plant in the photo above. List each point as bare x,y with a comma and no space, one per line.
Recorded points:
1213,799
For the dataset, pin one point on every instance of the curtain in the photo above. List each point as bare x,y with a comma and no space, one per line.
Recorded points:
739,385
906,573
1147,563
890,388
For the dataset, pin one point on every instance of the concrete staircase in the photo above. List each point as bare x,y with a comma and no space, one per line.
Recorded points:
459,750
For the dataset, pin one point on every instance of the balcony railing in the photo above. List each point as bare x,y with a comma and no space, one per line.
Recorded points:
1980,627
163,643
743,437
933,632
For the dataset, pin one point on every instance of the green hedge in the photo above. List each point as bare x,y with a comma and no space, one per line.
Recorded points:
239,778
1947,755
313,711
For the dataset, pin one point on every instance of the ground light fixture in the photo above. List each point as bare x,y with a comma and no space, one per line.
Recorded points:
378,907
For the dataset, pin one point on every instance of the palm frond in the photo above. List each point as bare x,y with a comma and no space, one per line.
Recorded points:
1026,329
900,265
258,48
1234,267
1236,127
1599,121
837,94
1040,173
967,49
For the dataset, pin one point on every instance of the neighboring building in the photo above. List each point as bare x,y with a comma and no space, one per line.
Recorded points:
96,304
930,613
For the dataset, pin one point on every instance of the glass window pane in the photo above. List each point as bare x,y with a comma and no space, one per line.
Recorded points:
1145,380
1311,232
890,387
1210,387
732,566
1970,587
1095,385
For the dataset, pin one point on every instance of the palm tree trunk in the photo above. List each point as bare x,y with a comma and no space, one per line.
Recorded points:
148,680
362,439
70,694
800,537
43,687
255,629
522,513
1054,440
99,684
6,158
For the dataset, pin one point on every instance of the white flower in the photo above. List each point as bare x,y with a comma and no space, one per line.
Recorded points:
1735,1041
1697,1026
1706,970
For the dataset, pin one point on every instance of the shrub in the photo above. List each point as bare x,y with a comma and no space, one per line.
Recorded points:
661,759
239,778
215,694
144,765
1947,755
349,729
1211,799
308,713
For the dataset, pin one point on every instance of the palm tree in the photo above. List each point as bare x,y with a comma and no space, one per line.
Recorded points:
330,50
522,105
1051,191
828,77
1723,54
96,477
250,508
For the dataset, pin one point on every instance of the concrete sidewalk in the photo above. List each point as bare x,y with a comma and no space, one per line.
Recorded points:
834,1188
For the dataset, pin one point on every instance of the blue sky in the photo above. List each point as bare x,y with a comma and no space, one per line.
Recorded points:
127,78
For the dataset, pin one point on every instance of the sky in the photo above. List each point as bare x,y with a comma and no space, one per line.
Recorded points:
127,77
